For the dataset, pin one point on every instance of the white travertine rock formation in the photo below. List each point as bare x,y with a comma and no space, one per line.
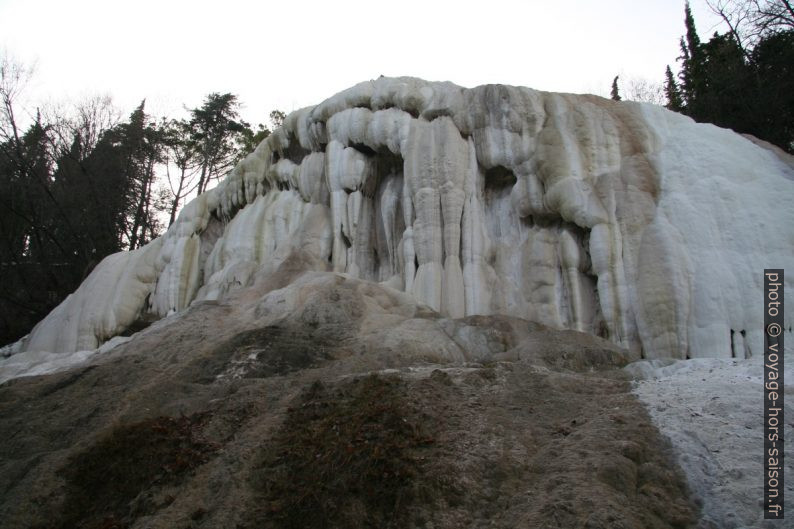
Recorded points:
619,219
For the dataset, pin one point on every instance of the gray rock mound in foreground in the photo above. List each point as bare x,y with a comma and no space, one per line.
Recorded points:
318,400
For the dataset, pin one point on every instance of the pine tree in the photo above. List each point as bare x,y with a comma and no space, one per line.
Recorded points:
216,128
182,153
277,118
614,93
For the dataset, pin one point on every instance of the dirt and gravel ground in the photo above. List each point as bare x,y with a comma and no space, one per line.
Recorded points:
348,408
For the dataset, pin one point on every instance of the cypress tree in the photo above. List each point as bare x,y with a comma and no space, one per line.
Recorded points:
614,94
692,39
693,77
672,92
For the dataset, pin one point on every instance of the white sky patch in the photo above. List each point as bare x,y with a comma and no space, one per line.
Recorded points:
288,55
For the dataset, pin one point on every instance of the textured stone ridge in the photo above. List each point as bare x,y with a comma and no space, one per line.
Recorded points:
623,219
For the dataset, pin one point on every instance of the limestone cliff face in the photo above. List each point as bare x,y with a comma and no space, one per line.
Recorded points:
623,220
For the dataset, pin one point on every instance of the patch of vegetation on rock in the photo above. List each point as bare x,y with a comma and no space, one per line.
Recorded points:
351,455
103,481
260,353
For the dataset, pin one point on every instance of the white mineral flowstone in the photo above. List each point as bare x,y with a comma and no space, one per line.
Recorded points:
32,363
619,219
104,306
711,410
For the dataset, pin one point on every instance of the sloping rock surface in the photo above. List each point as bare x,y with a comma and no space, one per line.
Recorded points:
319,400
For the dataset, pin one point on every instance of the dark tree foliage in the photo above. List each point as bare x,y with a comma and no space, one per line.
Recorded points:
216,129
249,139
181,163
277,118
206,146
71,193
77,188
773,60
140,144
672,92
614,94
749,91
29,243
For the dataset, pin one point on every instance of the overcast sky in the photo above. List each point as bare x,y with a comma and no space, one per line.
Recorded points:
290,54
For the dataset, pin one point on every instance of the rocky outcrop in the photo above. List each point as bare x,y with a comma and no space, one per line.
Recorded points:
319,400
622,220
